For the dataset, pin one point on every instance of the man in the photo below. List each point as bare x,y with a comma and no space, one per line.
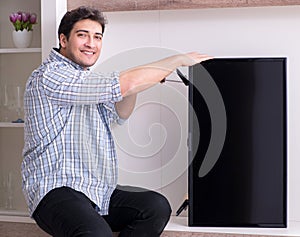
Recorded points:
69,168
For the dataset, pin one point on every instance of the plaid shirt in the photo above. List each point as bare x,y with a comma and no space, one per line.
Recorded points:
68,140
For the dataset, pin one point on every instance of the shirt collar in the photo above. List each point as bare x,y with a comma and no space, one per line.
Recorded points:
56,55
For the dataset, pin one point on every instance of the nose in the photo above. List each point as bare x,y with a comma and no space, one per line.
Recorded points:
90,42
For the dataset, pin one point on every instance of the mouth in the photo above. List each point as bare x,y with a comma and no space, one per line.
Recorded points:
88,52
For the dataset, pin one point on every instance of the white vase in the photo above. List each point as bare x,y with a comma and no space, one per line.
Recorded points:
22,39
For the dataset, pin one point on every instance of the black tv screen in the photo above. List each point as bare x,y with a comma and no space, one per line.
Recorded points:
237,143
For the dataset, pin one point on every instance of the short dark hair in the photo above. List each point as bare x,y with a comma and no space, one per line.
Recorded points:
80,13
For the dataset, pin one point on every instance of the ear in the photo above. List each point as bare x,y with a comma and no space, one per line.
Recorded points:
62,40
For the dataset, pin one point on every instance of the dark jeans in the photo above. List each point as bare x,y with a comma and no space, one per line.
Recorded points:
135,213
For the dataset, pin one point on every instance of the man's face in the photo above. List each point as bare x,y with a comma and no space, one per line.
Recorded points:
84,44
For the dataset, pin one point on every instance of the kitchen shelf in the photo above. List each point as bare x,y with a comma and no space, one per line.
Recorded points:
20,50
4,212
11,125
15,219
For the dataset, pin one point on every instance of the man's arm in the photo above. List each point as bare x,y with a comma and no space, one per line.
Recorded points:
125,107
140,78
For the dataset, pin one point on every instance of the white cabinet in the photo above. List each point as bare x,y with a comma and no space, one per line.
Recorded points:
16,64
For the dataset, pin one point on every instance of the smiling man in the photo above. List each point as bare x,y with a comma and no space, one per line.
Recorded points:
69,169
74,45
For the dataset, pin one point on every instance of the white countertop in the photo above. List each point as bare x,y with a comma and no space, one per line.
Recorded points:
180,224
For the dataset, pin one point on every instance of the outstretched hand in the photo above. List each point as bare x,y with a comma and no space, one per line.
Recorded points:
192,58
140,78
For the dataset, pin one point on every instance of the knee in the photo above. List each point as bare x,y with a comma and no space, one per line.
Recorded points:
160,206
164,206
159,212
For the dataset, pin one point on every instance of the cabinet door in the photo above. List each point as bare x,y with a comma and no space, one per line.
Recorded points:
16,64
12,201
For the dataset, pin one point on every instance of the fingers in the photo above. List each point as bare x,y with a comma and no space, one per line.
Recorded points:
198,58
194,58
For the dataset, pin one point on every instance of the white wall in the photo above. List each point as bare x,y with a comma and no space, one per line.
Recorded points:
51,14
155,135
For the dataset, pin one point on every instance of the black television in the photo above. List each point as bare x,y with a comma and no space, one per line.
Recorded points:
237,175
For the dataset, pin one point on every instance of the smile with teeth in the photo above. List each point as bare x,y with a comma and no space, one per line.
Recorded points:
88,52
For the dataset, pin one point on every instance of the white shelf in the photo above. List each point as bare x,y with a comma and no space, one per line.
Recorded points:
11,125
181,224
4,212
15,217
19,50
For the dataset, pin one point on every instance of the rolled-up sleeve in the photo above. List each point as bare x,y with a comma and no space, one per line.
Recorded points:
65,86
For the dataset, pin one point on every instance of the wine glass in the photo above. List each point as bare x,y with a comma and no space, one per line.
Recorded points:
9,185
18,103
4,103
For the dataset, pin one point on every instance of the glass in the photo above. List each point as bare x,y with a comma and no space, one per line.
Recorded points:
11,103
18,103
9,186
4,104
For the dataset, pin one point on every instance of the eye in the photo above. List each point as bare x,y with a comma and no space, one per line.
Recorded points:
98,37
82,35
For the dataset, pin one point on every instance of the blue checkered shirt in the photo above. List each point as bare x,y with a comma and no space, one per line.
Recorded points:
68,140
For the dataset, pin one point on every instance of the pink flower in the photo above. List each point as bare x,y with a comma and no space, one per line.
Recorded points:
33,18
13,17
25,16
23,20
